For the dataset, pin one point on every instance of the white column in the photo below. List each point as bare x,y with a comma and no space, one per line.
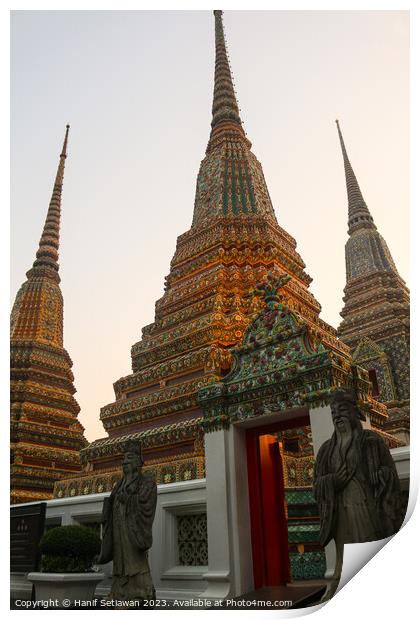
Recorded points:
322,428
239,513
219,575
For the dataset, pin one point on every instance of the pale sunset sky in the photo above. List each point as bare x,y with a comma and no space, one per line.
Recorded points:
136,88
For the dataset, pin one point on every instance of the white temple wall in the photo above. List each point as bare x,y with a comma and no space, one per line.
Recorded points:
223,496
171,579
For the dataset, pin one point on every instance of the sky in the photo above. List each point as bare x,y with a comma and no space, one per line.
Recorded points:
136,88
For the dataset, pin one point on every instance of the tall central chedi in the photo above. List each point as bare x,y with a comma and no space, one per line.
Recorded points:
234,241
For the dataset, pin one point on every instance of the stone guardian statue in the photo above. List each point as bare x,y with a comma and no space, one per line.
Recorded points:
356,484
128,518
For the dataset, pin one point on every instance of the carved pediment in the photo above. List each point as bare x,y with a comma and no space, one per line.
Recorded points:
366,350
280,365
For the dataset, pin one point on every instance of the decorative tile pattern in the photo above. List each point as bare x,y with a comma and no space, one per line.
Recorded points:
303,533
307,558
283,363
372,357
88,482
310,565
300,496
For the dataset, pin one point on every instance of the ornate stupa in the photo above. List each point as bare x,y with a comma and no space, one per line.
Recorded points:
376,313
46,437
233,243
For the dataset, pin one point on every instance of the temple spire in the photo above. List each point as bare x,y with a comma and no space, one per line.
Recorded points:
225,110
231,180
46,262
46,437
359,215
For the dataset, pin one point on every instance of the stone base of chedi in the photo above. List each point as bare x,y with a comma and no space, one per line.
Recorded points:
103,470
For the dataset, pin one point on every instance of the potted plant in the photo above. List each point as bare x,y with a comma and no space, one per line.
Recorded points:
67,576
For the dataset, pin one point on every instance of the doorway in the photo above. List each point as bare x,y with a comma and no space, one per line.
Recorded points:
268,513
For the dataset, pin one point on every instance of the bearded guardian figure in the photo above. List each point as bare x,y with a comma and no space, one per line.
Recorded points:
128,518
356,484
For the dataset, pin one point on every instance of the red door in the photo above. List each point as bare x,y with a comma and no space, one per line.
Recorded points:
270,548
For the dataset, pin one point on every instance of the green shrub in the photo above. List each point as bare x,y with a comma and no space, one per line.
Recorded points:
69,549
57,564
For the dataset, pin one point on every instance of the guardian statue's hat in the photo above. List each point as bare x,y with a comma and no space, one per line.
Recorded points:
133,446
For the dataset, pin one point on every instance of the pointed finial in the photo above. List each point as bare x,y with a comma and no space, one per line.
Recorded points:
225,109
359,215
66,137
46,262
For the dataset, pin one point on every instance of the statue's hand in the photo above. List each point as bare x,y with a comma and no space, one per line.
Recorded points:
384,476
341,476
374,477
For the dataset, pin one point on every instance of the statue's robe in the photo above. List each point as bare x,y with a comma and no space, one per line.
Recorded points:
128,516
368,507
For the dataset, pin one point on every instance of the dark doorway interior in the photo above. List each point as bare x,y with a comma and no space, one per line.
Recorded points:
269,534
